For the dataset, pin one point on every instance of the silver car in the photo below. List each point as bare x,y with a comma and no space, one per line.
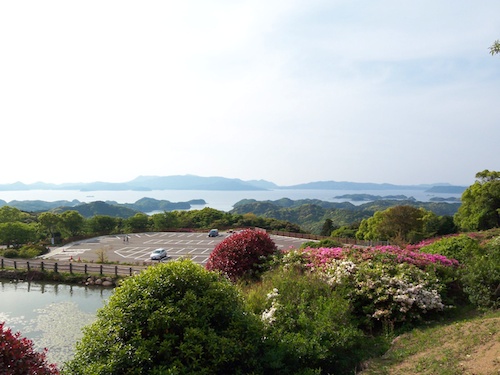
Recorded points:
158,254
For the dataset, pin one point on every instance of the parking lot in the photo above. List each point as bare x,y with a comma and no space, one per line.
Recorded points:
135,248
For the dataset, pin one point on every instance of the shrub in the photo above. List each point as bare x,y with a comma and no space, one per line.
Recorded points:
11,253
17,356
241,253
32,251
173,318
461,247
308,326
386,284
479,275
328,242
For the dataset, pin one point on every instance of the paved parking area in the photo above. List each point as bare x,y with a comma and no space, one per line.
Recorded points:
135,248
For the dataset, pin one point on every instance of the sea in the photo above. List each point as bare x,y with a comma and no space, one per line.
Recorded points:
219,200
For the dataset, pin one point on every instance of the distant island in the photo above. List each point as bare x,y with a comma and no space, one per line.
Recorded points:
111,208
370,198
190,182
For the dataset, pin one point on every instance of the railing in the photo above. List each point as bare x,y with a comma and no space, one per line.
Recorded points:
342,240
70,267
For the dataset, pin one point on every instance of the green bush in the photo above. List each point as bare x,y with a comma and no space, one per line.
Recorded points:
461,247
328,242
32,251
173,318
11,253
479,275
308,325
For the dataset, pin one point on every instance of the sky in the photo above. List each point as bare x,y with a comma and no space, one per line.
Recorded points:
289,91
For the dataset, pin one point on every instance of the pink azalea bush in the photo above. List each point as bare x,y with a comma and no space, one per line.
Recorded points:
320,257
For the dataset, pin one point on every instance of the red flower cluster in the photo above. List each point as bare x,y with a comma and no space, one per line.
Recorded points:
17,356
241,252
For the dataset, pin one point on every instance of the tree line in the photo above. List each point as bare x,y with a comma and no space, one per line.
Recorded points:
18,228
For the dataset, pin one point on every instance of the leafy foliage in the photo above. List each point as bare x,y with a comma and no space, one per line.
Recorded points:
18,357
17,233
495,47
174,318
308,325
400,224
480,209
480,271
241,253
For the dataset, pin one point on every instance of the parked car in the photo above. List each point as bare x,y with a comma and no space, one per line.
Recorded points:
158,254
213,233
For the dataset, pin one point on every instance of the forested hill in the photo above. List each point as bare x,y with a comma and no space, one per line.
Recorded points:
311,213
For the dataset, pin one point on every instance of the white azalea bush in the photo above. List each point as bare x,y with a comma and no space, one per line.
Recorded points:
393,293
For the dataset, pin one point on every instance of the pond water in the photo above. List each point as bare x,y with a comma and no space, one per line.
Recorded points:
52,315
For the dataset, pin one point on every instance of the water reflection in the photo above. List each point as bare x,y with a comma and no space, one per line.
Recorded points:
52,315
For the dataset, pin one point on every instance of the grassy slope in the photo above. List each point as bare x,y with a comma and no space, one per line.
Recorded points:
470,345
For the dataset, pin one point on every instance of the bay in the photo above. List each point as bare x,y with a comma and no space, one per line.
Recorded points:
219,200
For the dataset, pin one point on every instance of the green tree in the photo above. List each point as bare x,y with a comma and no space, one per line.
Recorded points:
174,318
164,221
137,223
10,214
399,223
480,208
102,224
73,222
50,222
17,234
495,47
327,228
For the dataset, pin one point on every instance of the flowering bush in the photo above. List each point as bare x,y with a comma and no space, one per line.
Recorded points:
18,357
385,283
241,253
392,292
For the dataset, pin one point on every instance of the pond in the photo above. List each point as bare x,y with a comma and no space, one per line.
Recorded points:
52,315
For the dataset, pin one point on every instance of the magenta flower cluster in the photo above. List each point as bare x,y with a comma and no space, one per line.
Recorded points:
320,257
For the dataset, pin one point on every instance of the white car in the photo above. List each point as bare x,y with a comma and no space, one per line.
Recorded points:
158,254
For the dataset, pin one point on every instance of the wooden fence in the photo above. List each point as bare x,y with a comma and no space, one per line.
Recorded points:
342,240
70,267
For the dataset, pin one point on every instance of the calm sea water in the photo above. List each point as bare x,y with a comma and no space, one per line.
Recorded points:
219,200
52,315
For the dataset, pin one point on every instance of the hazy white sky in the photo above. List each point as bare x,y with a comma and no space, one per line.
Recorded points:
289,91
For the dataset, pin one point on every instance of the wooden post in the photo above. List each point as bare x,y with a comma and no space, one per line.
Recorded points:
100,270
15,265
116,270
85,268
130,271
28,265
41,265
2,263
55,267
71,268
